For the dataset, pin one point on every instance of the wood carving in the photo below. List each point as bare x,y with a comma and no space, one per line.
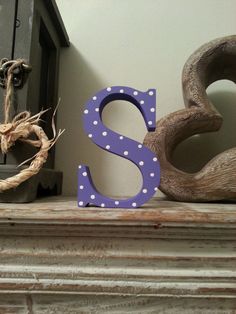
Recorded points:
217,179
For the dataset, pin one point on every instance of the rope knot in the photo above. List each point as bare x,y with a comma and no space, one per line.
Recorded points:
22,126
5,128
19,70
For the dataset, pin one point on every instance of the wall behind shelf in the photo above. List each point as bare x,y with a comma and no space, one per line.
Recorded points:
143,44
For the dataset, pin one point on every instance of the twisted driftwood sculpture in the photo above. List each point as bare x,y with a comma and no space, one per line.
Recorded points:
21,127
217,179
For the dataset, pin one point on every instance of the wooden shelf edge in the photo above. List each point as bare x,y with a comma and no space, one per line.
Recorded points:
64,210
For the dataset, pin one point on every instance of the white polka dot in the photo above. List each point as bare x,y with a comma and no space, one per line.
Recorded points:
104,133
152,174
135,93
149,122
95,122
90,135
121,91
86,111
154,159
81,203
117,202
126,153
134,204
96,109
102,205
81,187
92,197
155,189
152,109
108,146
80,166
151,93
121,137
142,102
94,98
144,191
141,163
85,174
108,89
140,145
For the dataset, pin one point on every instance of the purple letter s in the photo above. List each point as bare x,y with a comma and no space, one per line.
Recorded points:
120,145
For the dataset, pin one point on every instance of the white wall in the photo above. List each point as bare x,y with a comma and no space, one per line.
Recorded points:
138,43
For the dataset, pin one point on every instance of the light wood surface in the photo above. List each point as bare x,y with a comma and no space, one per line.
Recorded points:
166,257
216,180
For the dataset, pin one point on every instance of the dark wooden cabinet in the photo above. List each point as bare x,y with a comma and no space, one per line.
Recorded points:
32,30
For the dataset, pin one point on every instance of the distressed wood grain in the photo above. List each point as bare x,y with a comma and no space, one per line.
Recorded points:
64,210
213,61
84,304
166,257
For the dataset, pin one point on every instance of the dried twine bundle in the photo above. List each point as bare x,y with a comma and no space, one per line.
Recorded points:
20,128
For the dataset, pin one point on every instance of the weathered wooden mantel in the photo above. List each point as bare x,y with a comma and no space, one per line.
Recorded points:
167,257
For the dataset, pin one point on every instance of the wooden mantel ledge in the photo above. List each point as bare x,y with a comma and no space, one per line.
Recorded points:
54,252
64,210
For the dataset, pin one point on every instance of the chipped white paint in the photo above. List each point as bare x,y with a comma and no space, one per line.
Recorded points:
166,257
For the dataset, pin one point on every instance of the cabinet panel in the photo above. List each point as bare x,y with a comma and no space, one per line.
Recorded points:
36,41
7,31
